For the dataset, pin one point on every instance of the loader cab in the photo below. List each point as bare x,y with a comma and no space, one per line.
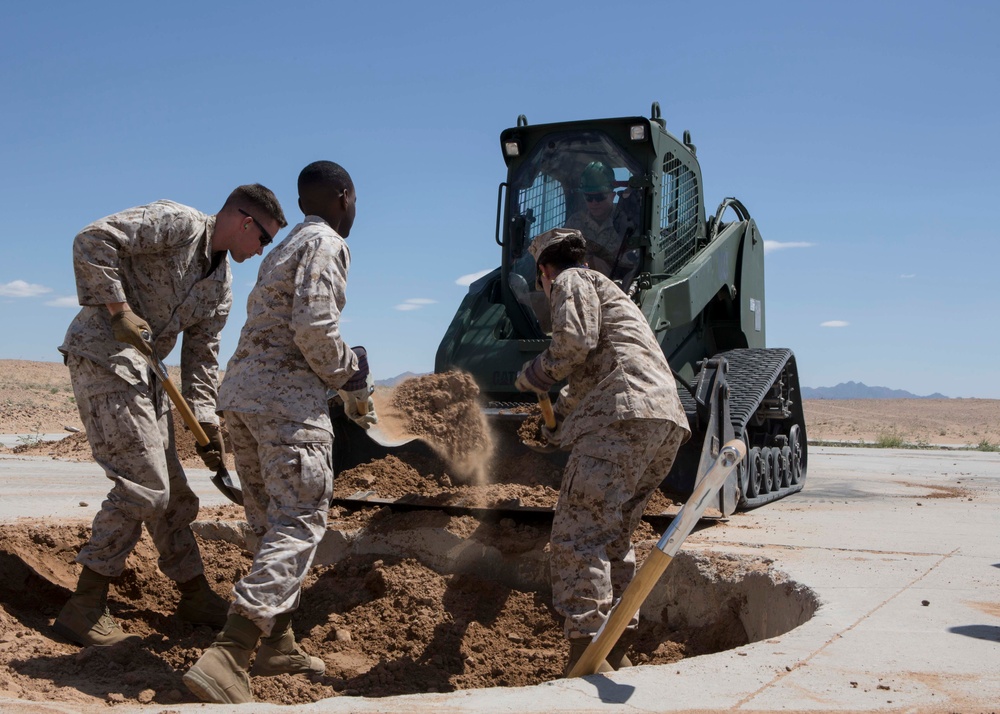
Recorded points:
552,186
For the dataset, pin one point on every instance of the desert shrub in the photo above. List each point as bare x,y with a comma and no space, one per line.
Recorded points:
987,445
889,439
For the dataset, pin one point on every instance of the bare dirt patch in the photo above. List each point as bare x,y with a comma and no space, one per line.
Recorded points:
383,625
915,421
938,491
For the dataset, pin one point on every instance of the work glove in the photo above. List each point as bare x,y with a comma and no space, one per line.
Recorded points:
547,441
129,328
551,436
357,393
213,454
532,378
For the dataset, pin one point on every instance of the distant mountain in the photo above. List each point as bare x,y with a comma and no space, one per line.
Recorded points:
858,390
393,381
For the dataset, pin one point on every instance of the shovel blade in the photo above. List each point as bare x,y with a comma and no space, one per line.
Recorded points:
354,446
225,483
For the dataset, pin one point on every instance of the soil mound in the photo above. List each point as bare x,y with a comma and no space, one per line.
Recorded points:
382,625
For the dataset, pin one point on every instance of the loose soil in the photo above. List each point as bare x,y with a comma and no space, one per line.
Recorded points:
383,625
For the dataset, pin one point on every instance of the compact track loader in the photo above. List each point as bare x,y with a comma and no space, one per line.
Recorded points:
698,279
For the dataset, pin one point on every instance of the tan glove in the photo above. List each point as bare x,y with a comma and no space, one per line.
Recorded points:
357,393
129,328
213,454
359,405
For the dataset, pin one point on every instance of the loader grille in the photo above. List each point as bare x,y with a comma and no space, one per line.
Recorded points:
545,201
678,214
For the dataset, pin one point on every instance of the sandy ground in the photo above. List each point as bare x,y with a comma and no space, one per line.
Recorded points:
36,397
383,625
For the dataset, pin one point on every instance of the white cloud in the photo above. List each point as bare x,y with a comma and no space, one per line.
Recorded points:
834,323
467,280
19,288
907,276
772,245
414,303
63,302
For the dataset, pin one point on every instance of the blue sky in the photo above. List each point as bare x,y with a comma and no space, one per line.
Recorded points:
861,136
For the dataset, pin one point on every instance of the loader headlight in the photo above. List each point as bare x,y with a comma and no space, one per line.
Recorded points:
511,148
637,132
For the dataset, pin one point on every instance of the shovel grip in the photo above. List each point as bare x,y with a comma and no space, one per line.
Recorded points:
548,415
185,411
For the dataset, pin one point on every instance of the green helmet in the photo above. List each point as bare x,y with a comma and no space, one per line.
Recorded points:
597,178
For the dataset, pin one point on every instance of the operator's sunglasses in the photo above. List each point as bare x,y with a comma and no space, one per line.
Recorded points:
595,197
265,237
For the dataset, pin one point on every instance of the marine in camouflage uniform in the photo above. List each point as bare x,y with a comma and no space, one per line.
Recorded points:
604,223
164,267
621,418
604,237
289,358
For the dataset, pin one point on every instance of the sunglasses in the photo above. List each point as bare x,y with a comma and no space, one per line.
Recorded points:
265,237
595,197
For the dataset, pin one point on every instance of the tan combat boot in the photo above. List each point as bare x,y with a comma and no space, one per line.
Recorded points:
279,653
200,605
577,646
220,674
85,619
618,656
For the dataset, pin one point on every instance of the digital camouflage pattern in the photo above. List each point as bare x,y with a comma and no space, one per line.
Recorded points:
608,480
605,350
274,394
285,469
158,259
131,436
604,238
290,351
622,418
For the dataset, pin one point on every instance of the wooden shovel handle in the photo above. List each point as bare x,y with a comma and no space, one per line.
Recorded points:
548,414
658,559
185,411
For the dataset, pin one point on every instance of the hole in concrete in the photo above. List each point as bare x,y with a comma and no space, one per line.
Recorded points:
396,604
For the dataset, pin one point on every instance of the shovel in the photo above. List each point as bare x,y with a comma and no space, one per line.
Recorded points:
549,419
659,558
222,480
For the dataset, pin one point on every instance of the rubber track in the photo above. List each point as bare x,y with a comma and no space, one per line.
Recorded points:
752,373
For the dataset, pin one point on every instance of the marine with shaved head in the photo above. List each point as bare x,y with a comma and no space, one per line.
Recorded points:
274,396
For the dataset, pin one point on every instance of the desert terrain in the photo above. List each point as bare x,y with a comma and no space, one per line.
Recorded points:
383,624
37,398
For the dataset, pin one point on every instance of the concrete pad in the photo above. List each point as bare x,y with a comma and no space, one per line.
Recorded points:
875,534
44,487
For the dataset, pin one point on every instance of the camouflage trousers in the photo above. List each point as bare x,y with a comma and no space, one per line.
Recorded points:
287,476
610,476
131,436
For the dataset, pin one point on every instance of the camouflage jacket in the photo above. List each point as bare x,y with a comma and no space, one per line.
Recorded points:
158,259
604,239
603,347
290,351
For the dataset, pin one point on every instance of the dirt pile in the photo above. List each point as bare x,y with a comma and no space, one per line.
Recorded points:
382,625
445,410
